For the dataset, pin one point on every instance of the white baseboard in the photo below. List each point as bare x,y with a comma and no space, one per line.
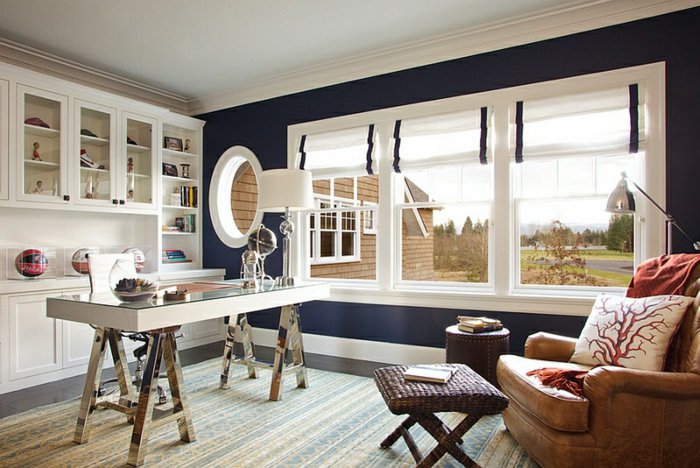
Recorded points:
363,350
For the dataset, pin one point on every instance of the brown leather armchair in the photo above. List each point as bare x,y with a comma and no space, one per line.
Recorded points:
625,417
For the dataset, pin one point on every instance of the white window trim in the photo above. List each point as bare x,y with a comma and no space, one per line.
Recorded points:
502,296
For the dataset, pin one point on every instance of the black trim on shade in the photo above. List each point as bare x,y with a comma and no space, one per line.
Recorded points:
484,132
519,132
302,162
370,147
634,118
397,144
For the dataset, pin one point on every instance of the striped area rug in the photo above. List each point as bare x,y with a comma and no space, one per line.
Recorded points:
338,421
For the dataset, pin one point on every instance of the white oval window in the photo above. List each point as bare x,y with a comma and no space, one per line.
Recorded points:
233,195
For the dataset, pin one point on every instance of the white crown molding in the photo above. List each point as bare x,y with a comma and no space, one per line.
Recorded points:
486,38
58,67
489,37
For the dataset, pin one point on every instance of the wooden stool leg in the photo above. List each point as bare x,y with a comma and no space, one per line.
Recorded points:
448,440
394,436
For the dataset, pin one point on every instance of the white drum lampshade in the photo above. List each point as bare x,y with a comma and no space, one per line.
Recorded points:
285,189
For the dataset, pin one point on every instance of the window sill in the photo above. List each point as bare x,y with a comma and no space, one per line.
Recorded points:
489,302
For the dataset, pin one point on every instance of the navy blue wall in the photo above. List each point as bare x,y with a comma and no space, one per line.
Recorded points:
262,127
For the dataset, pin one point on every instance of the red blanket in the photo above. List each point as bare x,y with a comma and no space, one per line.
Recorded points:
570,380
667,274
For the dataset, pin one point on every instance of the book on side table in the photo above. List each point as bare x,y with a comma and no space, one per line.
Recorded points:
432,374
478,324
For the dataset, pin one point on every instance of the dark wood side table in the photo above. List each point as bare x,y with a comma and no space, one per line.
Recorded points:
480,351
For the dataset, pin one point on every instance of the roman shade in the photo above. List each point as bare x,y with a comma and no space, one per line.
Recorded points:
339,153
601,123
458,137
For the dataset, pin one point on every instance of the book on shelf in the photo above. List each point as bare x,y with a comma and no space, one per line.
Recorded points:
432,374
174,256
478,324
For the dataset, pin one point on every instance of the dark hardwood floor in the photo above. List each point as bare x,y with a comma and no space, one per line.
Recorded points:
61,390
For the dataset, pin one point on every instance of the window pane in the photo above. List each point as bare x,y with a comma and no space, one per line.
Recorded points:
344,188
537,178
449,244
576,176
448,184
608,171
327,244
348,246
574,243
345,250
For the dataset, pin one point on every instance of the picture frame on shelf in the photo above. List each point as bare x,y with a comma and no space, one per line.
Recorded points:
169,169
172,143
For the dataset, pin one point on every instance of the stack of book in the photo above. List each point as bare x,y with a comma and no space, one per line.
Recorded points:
478,324
174,256
188,196
432,374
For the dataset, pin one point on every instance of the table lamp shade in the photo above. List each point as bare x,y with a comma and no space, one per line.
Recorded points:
285,189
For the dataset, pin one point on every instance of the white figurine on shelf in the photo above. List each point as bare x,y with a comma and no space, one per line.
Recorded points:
38,188
35,153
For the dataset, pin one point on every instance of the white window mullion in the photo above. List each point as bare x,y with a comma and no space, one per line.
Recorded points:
385,214
502,257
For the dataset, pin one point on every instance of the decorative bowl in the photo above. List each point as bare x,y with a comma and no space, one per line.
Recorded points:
134,289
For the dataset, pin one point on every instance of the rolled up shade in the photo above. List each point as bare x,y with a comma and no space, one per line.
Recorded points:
458,137
602,122
340,153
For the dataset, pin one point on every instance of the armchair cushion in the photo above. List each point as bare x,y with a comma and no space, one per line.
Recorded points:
630,332
558,409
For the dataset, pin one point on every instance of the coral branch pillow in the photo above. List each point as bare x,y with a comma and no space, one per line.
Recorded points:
630,332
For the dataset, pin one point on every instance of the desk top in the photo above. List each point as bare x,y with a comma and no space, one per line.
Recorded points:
205,301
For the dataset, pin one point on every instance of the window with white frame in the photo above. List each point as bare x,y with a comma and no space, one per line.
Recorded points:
340,245
497,193
568,154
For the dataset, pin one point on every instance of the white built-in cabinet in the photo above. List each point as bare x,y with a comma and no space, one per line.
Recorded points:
119,196
4,138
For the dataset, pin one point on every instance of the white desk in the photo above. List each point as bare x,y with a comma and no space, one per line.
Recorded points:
161,319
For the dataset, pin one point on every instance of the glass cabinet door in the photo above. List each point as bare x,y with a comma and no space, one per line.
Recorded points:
137,177
41,145
95,154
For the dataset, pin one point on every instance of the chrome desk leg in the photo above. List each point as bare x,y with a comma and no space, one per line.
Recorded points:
147,396
121,369
248,345
297,343
228,352
177,389
280,353
92,385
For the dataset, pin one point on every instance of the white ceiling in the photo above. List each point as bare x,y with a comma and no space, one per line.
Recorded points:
191,49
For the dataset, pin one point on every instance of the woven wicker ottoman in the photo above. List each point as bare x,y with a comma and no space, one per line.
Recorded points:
465,392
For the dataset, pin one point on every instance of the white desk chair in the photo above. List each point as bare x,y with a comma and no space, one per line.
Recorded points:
99,267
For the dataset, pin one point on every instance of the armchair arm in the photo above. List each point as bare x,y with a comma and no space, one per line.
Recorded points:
601,382
549,347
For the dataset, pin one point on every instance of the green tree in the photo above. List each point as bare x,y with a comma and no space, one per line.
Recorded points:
621,233
562,263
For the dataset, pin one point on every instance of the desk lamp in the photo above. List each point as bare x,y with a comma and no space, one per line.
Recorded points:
285,191
621,200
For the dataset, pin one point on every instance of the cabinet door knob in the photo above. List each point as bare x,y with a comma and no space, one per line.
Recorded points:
66,197
115,201
121,202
